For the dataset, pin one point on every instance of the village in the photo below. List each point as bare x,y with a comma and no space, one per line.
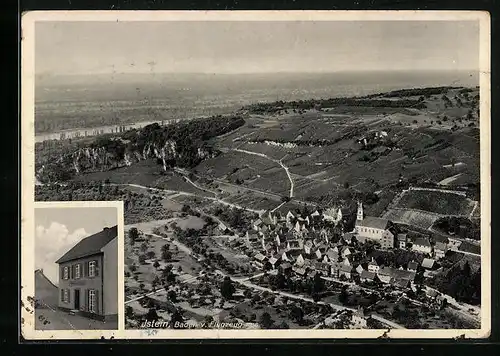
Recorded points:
372,276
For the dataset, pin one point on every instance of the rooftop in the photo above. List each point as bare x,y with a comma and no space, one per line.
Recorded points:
422,242
373,222
428,263
90,245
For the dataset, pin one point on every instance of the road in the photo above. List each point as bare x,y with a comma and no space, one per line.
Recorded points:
55,319
179,192
273,160
245,282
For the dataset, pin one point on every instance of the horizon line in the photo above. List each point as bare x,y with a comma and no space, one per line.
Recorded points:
47,74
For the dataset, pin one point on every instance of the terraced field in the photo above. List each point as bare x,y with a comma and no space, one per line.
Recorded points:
436,202
423,220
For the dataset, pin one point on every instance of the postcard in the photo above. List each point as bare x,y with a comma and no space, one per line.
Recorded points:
255,174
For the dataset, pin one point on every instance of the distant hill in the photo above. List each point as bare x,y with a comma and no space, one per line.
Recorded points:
46,292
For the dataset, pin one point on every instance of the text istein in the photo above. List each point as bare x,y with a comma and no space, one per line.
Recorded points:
155,324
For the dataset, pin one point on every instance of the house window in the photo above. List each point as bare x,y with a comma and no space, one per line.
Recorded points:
77,271
66,296
92,269
92,301
66,273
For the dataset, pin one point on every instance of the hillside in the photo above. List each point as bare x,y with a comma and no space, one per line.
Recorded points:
46,293
319,151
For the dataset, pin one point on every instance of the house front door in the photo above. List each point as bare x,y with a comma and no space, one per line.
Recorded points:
77,299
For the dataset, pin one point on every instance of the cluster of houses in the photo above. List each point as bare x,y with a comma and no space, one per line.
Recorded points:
305,245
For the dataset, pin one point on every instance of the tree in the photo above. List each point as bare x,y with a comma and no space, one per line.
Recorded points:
142,259
343,296
150,254
129,312
207,320
318,284
152,315
176,319
166,256
133,235
156,264
144,247
227,288
283,325
155,282
172,296
266,321
297,314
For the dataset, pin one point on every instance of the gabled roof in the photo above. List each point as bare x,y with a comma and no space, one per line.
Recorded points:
367,275
428,263
412,265
345,268
90,245
373,222
257,222
440,246
402,237
286,265
259,256
273,260
422,242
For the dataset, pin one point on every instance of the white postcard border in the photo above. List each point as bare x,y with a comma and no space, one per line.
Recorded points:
28,178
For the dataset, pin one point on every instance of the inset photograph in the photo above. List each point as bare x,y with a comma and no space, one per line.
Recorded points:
76,268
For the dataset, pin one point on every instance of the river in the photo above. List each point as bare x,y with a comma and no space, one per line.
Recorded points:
94,131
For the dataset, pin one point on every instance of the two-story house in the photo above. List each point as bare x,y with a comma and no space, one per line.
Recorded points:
88,276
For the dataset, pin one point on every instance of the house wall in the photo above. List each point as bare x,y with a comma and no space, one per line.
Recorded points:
387,239
422,249
110,278
369,232
84,283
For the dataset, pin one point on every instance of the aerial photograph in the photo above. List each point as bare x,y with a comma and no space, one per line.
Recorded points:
274,174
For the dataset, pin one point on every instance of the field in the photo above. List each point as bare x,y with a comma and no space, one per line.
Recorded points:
421,219
436,202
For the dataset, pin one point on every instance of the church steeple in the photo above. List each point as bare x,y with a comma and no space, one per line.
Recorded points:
360,215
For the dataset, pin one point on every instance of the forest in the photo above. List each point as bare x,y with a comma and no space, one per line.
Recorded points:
263,108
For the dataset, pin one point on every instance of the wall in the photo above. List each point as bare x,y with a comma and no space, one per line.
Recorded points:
110,277
370,233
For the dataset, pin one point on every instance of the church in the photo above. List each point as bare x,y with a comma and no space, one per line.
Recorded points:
374,228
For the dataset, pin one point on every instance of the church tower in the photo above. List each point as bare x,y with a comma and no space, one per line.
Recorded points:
360,215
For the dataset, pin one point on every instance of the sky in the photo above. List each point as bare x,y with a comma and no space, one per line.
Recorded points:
66,48
59,229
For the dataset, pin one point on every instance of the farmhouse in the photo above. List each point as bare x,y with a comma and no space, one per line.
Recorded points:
358,319
373,228
88,276
412,266
422,245
373,267
440,250
367,276
428,263
402,239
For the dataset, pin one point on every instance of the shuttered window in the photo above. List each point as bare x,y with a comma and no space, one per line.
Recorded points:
62,295
77,271
66,273
66,296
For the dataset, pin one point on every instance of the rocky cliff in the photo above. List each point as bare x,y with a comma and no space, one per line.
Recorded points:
182,145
